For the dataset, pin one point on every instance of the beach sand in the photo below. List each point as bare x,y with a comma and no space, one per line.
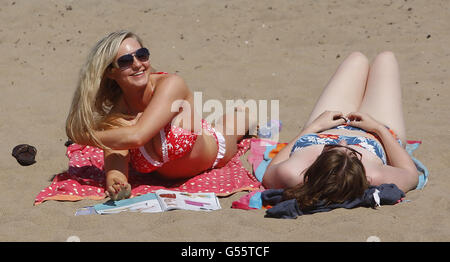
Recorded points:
260,50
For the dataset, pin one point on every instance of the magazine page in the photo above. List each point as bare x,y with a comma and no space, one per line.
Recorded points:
170,200
147,203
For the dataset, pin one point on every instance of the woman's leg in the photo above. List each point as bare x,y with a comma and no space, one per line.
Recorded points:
345,90
383,97
230,125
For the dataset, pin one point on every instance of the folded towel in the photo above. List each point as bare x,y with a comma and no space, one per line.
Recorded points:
261,153
385,194
251,200
411,146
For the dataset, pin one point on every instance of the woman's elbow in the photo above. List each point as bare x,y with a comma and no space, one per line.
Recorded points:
413,181
137,139
406,180
130,138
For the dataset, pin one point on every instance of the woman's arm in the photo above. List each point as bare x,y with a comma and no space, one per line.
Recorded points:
402,170
279,173
396,154
116,170
324,121
155,116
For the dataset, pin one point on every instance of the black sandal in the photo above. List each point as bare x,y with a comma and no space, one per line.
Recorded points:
24,154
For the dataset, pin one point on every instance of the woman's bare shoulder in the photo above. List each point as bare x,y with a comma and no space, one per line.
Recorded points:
170,79
163,77
305,156
171,83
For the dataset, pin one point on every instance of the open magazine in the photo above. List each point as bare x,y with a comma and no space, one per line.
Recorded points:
160,201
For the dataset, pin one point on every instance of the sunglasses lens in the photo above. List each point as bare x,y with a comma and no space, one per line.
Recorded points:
125,61
142,54
354,152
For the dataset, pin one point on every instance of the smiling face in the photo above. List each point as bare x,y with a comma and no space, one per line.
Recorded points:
135,76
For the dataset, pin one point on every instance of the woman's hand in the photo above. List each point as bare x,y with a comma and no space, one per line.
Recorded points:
364,121
326,120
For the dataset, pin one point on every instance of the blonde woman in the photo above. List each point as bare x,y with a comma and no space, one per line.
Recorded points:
126,108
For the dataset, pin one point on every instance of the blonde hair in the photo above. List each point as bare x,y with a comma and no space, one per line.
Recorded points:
96,94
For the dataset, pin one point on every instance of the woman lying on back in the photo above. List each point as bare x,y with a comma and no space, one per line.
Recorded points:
354,137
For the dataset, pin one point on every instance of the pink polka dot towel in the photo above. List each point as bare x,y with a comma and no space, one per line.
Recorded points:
85,178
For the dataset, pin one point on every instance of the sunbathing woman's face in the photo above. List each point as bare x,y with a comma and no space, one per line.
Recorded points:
134,75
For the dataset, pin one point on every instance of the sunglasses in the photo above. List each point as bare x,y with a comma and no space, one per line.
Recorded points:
125,61
329,147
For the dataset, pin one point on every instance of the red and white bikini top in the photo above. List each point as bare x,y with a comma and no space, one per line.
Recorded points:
175,143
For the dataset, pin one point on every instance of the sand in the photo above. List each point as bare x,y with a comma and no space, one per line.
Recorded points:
261,50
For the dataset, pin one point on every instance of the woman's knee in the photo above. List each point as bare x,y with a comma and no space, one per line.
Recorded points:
358,58
386,57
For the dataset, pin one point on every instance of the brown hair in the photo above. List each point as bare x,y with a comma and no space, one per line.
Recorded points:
334,177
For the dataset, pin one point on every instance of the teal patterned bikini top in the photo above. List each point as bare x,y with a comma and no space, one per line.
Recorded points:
369,144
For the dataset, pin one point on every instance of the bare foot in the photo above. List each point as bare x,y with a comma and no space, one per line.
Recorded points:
117,187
